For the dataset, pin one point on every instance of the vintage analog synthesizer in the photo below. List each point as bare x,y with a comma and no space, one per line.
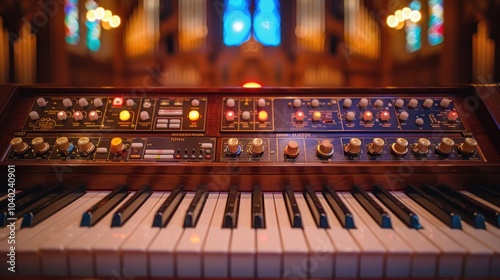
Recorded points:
250,183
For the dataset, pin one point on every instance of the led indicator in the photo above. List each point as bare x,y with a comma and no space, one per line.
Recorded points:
194,115
230,116
263,116
124,115
118,101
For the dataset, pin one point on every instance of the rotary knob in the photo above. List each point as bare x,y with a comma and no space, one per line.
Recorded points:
41,102
93,115
400,147
376,147
63,145
67,102
62,115
446,146
347,103
468,147
354,147
325,149
261,102
85,146
363,102
428,103
230,103
422,146
39,145
116,145
413,103
233,147
292,149
403,116
297,103
83,102
98,102
34,115
350,116
257,146
378,103
315,103
445,102
18,145
399,103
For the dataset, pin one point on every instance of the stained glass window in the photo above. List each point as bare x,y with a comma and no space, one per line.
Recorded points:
237,22
436,21
71,24
267,22
413,29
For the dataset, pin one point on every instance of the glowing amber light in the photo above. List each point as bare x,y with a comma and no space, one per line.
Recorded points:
194,115
124,115
263,116
115,21
117,141
316,116
252,85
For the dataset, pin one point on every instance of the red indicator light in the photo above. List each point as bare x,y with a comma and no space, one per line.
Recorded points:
230,116
299,116
367,116
118,101
384,116
452,116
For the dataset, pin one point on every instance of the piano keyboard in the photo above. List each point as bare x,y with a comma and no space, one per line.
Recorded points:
424,231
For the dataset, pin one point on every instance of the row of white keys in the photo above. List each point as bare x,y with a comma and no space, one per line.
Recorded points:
372,252
106,250
242,250
451,256
217,243
477,257
425,254
28,240
269,249
161,250
79,250
347,250
398,253
321,255
54,252
189,248
295,248
134,250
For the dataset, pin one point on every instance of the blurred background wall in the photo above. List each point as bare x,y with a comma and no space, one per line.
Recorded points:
216,43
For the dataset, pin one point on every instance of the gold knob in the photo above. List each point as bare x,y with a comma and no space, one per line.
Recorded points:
400,147
446,146
39,145
116,145
422,146
18,145
233,146
85,146
468,147
257,146
292,149
62,144
325,148
354,147
376,147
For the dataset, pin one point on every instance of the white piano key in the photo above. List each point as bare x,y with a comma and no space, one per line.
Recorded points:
29,239
242,249
322,250
79,251
269,249
295,248
399,254
161,250
372,258
478,256
106,251
425,256
52,248
189,248
216,247
347,250
133,250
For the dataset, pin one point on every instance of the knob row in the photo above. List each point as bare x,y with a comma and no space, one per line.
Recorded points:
84,145
399,103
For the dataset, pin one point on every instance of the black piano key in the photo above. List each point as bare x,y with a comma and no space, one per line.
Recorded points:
194,210
492,216
19,201
128,209
21,196
231,211
95,213
339,208
168,208
292,207
316,208
258,220
440,211
468,214
49,208
406,215
487,194
370,205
